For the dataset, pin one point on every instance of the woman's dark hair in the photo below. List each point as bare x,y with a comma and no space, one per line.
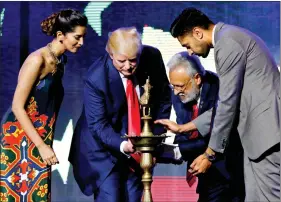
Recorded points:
187,20
64,21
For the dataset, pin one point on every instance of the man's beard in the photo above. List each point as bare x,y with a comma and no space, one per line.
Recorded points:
204,55
190,96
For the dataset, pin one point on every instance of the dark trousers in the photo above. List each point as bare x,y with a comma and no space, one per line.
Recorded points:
121,185
220,193
214,185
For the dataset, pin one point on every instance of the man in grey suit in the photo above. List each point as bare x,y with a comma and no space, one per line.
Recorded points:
249,99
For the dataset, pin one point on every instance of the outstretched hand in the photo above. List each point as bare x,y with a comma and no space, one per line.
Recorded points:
169,125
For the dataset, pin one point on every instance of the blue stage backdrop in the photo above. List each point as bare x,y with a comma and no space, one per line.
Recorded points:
20,34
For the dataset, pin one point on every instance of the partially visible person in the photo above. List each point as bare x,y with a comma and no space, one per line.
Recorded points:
194,100
249,99
27,128
101,158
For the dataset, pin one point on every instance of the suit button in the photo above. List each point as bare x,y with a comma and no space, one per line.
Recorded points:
113,160
224,143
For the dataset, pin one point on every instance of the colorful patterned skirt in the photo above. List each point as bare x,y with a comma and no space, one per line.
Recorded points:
24,177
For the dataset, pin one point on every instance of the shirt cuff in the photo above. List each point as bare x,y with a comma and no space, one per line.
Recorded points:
122,148
177,153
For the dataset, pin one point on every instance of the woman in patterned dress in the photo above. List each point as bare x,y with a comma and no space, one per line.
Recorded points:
27,128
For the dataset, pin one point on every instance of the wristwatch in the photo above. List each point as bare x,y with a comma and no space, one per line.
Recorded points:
210,157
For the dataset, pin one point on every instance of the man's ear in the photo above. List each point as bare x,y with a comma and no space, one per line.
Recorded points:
111,55
198,79
197,33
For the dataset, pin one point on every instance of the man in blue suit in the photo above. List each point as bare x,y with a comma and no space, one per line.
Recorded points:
101,159
194,100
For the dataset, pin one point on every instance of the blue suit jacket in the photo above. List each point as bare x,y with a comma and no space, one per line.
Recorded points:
192,148
96,141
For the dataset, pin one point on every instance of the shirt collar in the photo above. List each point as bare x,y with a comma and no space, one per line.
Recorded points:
121,75
213,36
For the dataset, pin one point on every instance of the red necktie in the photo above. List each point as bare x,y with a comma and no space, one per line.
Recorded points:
134,123
194,134
191,179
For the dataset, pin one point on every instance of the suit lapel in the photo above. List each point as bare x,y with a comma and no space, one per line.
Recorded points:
204,97
141,77
116,87
141,89
207,96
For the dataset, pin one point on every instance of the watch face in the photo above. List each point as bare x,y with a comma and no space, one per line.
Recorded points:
210,157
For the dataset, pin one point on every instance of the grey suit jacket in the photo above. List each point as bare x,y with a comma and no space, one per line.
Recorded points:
249,91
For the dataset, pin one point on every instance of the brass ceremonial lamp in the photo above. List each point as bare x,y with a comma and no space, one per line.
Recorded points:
146,143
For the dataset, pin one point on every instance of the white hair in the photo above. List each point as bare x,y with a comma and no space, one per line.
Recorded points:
191,64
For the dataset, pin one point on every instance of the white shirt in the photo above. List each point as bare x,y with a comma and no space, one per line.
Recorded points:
198,99
124,81
213,36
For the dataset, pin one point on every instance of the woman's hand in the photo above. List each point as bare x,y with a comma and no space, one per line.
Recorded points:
48,155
